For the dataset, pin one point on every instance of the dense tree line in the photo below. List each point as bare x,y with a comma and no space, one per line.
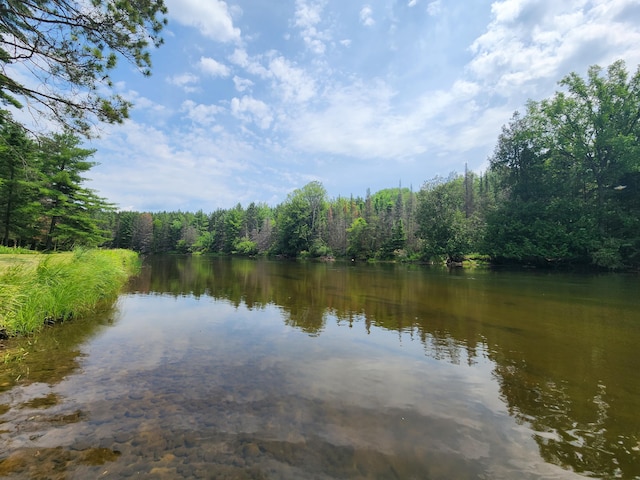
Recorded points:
307,223
562,187
445,221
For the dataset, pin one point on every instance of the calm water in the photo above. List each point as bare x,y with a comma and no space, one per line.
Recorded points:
240,369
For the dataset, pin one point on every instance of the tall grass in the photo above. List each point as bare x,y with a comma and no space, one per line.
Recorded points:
60,287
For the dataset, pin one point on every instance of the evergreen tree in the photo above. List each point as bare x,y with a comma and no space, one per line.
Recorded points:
19,205
68,208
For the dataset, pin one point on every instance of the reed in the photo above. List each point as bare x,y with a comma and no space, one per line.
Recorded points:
61,286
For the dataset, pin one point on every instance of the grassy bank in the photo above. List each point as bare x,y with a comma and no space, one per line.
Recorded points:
56,287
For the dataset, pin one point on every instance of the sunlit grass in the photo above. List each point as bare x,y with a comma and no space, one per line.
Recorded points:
56,287
16,251
9,260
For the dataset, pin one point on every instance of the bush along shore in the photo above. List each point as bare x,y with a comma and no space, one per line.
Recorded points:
56,287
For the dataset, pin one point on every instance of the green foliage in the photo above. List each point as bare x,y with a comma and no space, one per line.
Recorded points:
569,171
70,209
441,218
246,247
563,187
232,228
358,240
204,243
18,183
42,200
396,241
320,249
16,251
300,218
72,47
61,286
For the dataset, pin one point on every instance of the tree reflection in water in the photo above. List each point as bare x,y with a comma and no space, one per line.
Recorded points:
563,346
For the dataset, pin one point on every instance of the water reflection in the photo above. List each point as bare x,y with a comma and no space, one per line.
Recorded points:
564,345
252,369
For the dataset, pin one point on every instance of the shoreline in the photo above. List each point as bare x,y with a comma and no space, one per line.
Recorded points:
52,288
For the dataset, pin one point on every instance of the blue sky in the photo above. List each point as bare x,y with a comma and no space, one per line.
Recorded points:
250,100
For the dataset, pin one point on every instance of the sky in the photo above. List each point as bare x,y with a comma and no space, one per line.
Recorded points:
252,99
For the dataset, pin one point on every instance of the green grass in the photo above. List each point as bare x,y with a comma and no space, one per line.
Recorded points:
56,287
16,251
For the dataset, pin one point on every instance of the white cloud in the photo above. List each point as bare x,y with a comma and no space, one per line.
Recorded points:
292,83
210,17
147,169
241,58
366,121
366,16
213,68
354,122
200,113
242,84
143,103
529,44
297,112
186,81
257,110
307,16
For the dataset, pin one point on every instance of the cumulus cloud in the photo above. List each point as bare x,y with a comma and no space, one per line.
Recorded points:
531,43
186,81
210,17
293,83
307,17
354,121
146,169
365,120
241,58
200,113
366,16
248,108
290,82
213,68
242,84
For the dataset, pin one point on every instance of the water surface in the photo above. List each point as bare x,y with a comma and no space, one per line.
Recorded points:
221,368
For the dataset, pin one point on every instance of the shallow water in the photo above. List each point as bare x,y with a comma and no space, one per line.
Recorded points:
220,368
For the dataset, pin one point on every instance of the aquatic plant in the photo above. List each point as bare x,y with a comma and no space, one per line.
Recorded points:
60,287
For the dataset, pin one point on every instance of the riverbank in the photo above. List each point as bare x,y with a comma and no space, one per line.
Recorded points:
36,290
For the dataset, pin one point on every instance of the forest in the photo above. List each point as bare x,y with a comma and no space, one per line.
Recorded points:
562,189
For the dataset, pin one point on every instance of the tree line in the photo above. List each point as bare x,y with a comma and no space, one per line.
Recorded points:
562,187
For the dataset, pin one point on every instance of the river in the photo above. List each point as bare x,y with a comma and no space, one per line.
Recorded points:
256,369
